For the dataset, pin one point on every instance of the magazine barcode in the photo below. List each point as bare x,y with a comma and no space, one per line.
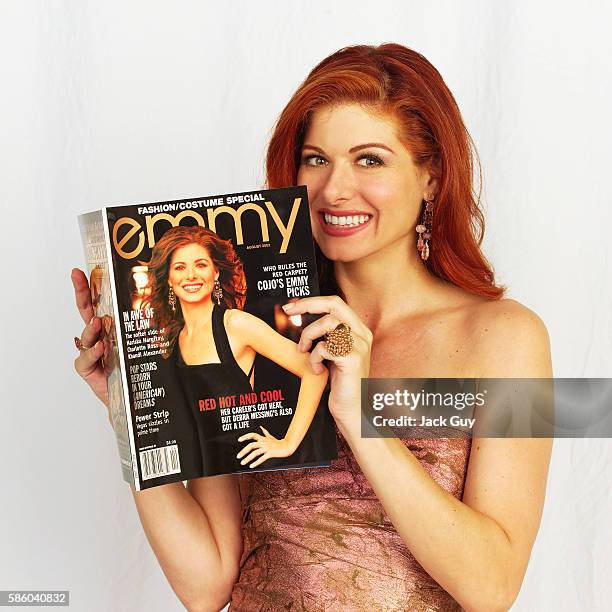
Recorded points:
160,462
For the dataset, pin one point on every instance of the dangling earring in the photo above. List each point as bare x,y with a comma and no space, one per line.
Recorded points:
217,291
424,228
172,299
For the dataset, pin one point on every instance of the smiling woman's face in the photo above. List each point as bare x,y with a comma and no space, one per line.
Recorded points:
192,273
365,192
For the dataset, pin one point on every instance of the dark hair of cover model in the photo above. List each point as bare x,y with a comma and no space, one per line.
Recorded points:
225,261
394,524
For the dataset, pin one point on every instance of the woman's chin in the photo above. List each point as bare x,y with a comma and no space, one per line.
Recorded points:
341,253
195,298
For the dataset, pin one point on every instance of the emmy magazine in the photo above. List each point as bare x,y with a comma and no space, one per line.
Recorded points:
202,361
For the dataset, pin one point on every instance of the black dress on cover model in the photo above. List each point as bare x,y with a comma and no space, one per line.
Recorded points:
204,384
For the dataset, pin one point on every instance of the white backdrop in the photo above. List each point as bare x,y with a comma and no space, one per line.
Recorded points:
107,103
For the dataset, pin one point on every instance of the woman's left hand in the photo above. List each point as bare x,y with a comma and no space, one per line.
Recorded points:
345,372
263,448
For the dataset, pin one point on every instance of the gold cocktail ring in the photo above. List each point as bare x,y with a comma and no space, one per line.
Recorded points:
339,342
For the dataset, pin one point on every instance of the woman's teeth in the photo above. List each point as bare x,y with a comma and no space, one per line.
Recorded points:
346,221
191,288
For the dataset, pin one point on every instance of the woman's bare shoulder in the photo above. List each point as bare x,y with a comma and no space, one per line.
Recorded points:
506,316
508,339
237,320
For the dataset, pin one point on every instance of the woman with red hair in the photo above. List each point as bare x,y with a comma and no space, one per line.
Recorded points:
432,524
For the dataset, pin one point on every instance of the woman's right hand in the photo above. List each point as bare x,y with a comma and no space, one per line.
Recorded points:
89,364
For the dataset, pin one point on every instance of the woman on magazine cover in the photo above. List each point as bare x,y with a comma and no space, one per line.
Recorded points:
435,524
198,290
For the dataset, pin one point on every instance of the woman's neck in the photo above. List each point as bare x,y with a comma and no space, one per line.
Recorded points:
196,316
388,285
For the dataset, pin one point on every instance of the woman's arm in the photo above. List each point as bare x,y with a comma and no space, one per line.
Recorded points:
196,533
476,549
267,342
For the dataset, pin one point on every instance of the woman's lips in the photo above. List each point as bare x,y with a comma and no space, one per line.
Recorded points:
340,230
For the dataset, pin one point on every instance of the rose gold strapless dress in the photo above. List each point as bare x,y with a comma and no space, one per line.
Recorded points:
319,539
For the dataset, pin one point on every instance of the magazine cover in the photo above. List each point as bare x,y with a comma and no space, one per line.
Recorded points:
204,375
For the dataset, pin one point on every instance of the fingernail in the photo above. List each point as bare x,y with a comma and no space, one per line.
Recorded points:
287,307
92,321
243,462
97,344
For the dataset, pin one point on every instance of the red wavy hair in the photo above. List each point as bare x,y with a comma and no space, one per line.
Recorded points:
400,82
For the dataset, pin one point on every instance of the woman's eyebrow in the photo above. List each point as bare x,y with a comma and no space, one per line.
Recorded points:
380,145
308,146
196,261
368,145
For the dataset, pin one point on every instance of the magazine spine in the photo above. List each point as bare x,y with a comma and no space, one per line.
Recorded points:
120,346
